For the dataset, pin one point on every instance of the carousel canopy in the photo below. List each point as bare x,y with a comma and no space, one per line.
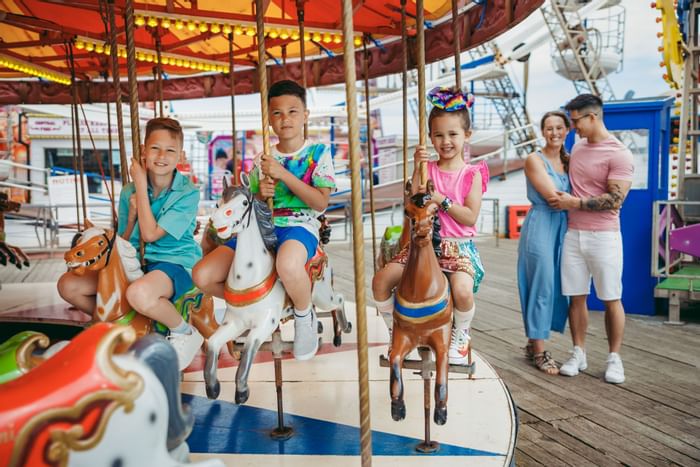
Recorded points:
193,40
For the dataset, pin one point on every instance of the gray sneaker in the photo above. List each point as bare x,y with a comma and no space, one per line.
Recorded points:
576,363
186,346
305,336
615,372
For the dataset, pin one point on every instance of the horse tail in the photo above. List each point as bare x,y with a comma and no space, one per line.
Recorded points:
160,357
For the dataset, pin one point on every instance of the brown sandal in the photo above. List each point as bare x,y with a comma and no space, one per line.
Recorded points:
529,353
544,362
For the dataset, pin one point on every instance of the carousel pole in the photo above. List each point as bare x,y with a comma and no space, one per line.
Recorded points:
302,53
281,432
357,234
76,120
457,42
109,155
114,55
159,75
233,108
133,98
404,89
75,151
370,152
420,65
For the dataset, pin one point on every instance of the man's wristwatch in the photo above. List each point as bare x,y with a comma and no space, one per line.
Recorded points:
446,204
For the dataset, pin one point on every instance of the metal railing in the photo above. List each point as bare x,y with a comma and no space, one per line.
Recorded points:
665,270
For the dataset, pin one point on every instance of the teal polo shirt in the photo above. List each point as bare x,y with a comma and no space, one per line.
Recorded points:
175,211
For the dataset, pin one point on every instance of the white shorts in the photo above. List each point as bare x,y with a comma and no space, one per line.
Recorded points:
597,254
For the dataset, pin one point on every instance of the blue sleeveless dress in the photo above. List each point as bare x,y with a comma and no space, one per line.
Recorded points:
539,259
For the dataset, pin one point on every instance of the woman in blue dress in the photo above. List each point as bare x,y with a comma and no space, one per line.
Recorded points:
539,252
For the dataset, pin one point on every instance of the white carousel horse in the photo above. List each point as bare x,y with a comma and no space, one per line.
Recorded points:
104,406
256,299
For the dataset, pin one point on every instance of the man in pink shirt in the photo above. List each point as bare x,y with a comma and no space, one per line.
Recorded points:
600,170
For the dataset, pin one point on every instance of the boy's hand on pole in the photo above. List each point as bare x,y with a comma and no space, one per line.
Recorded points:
133,209
138,173
267,187
271,168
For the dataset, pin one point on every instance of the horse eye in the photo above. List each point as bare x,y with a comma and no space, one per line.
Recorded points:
228,212
101,242
245,202
80,253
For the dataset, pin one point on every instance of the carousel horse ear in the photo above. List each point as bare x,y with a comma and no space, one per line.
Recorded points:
88,224
245,180
224,182
407,189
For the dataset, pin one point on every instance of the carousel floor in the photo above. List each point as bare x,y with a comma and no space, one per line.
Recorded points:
321,403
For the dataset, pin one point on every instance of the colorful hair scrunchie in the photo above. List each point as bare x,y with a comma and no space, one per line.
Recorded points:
449,100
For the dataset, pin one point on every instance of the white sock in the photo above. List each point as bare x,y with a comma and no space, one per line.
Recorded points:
386,311
182,328
302,313
463,319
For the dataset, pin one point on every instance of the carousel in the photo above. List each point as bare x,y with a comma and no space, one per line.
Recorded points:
113,395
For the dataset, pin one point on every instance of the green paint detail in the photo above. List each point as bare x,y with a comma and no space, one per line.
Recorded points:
184,304
678,283
393,233
127,318
9,369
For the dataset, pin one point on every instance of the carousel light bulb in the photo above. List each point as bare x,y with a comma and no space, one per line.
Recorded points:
165,23
215,28
191,26
317,36
226,29
357,41
284,34
237,30
89,46
307,36
203,27
164,60
227,69
273,34
80,45
207,67
327,38
108,49
200,66
295,35
250,32
152,21
178,62
139,20
149,58
99,48
179,25
337,39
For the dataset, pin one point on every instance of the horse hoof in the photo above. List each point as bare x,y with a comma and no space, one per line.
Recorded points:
398,410
440,416
320,327
213,390
242,396
348,328
337,340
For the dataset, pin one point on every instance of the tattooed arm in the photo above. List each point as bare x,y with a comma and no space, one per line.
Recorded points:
613,199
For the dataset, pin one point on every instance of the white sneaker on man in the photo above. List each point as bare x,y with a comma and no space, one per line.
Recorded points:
576,363
615,372
459,346
305,335
186,346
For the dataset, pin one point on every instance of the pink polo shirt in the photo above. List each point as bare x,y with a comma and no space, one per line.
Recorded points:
590,168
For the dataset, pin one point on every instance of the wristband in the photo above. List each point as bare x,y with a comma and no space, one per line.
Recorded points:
446,204
580,204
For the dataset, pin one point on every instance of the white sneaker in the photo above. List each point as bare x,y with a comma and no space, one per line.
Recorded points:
186,346
576,363
615,372
459,346
305,335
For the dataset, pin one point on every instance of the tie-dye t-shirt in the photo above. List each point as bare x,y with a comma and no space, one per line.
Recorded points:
314,166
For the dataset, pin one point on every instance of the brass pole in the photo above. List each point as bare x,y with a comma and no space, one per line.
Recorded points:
457,42
79,149
233,108
262,82
370,154
302,53
114,55
357,234
109,155
404,90
159,75
420,64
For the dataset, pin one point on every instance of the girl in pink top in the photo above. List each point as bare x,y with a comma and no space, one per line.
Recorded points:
458,187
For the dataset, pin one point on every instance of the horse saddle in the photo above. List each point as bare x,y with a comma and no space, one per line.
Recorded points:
317,264
67,400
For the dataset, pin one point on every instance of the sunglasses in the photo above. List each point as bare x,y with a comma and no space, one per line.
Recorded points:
576,119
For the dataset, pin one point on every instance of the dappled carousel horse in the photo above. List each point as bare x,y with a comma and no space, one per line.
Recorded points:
117,264
256,300
423,306
94,403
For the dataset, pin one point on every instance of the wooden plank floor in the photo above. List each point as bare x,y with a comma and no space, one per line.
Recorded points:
652,419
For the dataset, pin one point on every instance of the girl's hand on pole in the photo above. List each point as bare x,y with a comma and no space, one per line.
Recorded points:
421,155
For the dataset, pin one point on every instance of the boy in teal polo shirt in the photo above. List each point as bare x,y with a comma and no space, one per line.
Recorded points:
160,206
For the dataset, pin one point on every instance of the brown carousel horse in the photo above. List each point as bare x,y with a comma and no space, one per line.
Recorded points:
117,264
423,306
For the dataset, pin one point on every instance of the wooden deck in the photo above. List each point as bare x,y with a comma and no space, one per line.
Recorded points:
651,419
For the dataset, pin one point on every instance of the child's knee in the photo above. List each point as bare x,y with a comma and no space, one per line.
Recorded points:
138,295
463,298
66,286
290,269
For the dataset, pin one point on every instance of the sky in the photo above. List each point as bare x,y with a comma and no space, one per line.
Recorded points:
547,90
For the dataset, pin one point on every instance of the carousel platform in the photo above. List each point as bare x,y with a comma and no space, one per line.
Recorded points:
651,419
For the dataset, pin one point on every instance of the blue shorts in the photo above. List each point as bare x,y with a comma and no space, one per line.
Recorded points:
299,234
181,279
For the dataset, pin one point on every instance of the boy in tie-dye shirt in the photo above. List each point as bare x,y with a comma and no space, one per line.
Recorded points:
299,177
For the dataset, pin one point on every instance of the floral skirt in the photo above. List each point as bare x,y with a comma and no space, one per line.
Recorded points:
457,256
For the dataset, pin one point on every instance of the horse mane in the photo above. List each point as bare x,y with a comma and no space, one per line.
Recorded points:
262,213
420,200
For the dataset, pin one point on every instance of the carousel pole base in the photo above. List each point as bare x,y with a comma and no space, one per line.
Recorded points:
428,447
282,433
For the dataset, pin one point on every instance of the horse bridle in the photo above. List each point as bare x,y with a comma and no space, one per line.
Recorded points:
110,244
